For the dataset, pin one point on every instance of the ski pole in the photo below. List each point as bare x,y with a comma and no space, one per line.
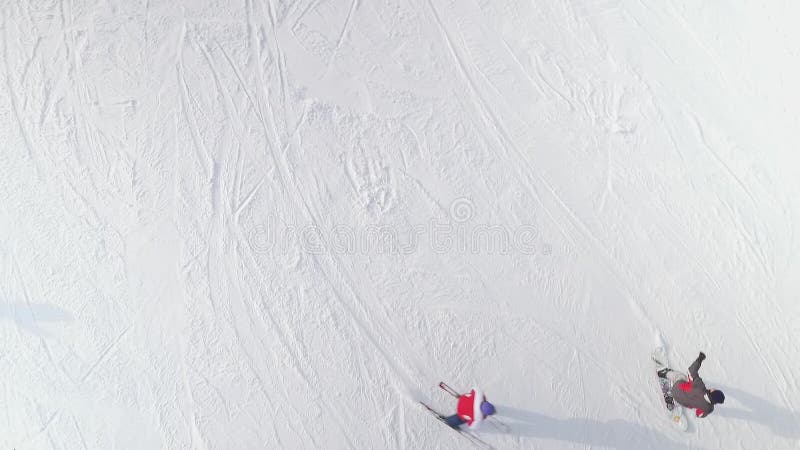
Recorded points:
448,389
499,424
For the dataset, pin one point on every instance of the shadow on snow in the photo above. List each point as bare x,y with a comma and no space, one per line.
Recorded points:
781,421
29,317
613,433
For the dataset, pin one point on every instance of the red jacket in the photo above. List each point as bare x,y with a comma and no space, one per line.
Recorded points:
469,407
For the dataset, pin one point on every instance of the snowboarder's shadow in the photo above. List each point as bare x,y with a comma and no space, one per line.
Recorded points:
30,317
781,421
613,433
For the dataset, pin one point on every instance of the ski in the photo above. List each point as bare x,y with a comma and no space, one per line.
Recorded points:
478,442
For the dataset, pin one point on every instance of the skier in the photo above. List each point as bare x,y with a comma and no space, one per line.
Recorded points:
472,409
691,392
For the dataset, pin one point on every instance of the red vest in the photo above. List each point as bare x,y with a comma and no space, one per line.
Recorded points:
468,408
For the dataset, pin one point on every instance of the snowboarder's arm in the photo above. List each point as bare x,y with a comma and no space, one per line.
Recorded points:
695,367
704,411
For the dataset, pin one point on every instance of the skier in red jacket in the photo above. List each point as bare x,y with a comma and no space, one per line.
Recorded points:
472,409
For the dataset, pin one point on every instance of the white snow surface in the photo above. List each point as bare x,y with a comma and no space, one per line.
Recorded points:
275,224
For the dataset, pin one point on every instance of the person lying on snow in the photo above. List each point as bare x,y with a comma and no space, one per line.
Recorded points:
472,409
691,392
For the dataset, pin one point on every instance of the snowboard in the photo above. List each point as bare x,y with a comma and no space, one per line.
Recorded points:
674,410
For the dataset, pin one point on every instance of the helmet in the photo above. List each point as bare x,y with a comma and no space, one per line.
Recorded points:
487,409
716,396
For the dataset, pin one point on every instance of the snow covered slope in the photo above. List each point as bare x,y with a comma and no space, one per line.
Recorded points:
277,224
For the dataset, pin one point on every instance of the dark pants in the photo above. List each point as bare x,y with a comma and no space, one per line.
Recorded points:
454,421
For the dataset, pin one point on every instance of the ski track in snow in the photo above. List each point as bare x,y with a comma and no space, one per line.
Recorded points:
177,178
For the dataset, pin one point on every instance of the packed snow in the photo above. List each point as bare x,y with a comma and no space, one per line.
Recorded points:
273,224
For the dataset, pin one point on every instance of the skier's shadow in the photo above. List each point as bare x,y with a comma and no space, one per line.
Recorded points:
613,433
781,421
30,317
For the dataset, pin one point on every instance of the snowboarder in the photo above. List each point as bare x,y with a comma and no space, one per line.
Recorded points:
691,392
472,409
